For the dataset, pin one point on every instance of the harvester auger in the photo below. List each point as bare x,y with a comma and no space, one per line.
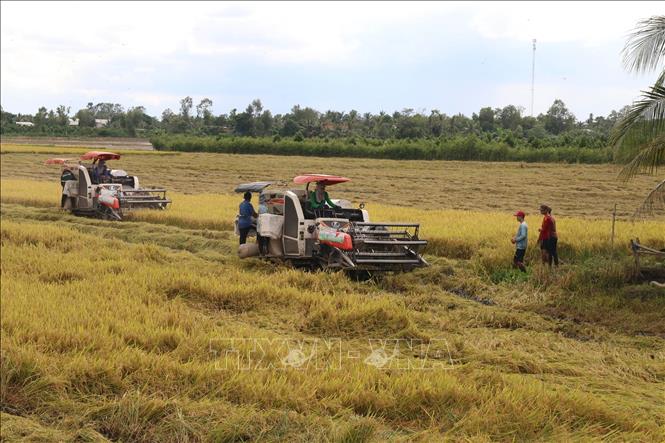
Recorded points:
91,189
341,237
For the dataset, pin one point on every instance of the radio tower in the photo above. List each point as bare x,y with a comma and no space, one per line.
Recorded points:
533,73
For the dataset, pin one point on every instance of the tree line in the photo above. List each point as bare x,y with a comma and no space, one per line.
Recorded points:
558,127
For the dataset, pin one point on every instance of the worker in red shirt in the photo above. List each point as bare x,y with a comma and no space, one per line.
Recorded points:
546,234
554,239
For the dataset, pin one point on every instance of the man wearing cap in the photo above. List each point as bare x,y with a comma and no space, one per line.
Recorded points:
520,241
546,233
554,238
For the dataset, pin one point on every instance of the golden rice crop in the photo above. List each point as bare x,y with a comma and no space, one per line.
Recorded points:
128,341
122,331
453,233
588,191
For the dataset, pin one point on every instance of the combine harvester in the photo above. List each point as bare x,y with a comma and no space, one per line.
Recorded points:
107,195
340,238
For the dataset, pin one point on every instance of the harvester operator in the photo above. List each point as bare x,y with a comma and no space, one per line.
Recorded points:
100,172
319,199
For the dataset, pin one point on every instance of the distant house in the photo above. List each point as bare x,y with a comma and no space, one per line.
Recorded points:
101,122
73,122
25,124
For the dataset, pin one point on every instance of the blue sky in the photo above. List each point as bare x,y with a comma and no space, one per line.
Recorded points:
455,57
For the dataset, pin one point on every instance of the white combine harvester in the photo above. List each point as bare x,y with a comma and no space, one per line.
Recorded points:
87,192
329,238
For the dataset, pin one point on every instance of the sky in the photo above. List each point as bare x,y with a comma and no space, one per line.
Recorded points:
367,56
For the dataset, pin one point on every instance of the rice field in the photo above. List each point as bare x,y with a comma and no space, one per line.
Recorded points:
588,191
153,330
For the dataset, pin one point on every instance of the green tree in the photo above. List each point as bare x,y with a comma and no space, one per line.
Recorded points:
40,118
290,128
222,123
186,107
308,119
51,120
332,123
460,124
510,117
558,118
386,126
244,122
265,123
133,119
641,132
258,107
351,120
203,111
63,115
86,117
7,118
486,119
107,111
173,122
412,125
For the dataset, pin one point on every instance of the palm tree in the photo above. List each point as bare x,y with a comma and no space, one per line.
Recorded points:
641,132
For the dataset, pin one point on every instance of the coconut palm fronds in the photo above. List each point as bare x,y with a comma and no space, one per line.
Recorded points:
645,48
639,133
655,201
648,159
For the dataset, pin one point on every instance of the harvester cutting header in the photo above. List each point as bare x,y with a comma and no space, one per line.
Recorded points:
93,189
308,229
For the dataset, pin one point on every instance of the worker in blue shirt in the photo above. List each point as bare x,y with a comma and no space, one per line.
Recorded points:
520,241
245,217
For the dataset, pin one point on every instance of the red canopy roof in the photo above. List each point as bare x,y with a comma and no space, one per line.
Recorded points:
325,179
56,161
100,155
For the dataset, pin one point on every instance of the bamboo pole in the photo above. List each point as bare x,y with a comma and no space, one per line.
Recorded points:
614,216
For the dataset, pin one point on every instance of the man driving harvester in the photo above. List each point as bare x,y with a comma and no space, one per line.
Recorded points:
319,198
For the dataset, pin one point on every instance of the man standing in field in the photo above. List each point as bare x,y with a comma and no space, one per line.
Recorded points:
245,218
545,237
520,241
554,239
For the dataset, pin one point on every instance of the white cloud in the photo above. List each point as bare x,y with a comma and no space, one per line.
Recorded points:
71,49
586,22
55,48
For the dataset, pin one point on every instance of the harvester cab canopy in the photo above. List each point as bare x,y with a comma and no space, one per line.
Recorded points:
91,155
252,187
100,155
59,161
320,178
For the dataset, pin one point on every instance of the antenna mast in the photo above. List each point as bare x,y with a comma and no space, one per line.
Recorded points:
533,73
